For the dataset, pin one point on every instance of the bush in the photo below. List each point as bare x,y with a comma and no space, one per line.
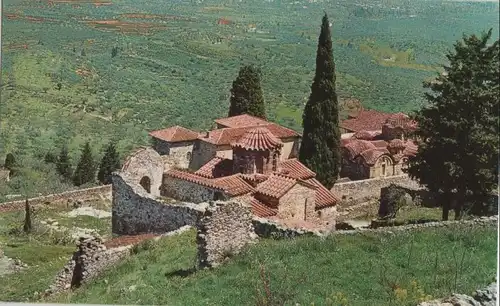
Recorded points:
392,198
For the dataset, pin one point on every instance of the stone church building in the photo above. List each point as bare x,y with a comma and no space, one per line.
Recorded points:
244,158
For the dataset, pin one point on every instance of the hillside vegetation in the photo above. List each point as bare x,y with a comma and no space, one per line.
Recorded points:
77,70
366,269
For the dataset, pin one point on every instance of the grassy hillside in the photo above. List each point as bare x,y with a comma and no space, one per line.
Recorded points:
371,269
174,64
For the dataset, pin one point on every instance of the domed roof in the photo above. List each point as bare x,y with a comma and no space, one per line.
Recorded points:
258,139
355,147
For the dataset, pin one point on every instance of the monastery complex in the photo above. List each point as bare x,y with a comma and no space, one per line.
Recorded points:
256,162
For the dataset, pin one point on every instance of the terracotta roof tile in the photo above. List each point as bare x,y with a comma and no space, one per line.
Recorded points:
366,135
396,144
240,121
193,178
234,185
294,168
258,139
411,149
216,167
355,147
175,134
262,210
226,136
367,120
256,177
324,197
275,186
370,156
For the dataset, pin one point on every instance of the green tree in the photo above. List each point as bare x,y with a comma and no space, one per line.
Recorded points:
10,163
109,163
458,129
85,170
27,217
320,147
63,163
246,93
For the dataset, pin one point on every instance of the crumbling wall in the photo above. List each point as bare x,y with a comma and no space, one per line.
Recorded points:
265,228
223,231
134,211
356,192
186,191
145,163
90,259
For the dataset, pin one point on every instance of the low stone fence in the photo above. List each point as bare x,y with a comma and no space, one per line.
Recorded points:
268,229
484,221
356,192
60,199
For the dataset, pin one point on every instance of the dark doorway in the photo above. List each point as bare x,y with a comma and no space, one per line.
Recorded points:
146,183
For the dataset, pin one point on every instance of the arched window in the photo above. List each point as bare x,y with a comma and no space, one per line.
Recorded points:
189,155
146,183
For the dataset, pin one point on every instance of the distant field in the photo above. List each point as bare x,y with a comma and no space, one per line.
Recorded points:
101,70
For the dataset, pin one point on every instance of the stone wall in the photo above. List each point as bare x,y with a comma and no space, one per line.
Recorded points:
223,231
60,199
145,163
202,153
265,228
356,192
135,211
186,191
297,204
90,259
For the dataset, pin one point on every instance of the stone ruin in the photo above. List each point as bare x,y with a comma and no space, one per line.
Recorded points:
484,297
91,258
223,231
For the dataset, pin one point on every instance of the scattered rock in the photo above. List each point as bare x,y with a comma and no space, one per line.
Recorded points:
89,211
485,297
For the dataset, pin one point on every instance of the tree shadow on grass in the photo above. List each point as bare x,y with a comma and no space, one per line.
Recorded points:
181,272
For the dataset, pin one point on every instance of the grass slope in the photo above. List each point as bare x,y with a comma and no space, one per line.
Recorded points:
369,269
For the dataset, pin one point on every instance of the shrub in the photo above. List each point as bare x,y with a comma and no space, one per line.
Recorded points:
392,198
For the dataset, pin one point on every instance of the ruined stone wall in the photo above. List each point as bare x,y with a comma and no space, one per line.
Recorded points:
328,216
224,153
297,204
289,149
182,153
356,192
265,228
186,191
60,199
145,163
223,231
135,211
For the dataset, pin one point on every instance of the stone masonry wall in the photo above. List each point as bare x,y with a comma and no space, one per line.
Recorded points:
186,191
135,211
223,231
265,228
60,199
297,204
365,190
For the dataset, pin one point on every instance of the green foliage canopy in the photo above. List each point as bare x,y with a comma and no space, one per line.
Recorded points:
246,93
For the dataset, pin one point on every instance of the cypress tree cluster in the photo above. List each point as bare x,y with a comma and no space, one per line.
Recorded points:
109,163
85,170
320,147
458,129
246,94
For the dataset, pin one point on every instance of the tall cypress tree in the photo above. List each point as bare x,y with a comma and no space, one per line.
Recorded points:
246,94
63,163
10,163
458,129
109,163
320,147
85,170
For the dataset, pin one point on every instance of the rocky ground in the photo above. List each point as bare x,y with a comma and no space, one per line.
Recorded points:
484,297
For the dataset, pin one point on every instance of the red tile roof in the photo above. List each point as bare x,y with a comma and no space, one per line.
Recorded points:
324,197
258,139
216,167
396,144
193,178
234,185
366,135
370,156
368,120
262,210
175,134
226,136
276,186
356,147
294,168
240,121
